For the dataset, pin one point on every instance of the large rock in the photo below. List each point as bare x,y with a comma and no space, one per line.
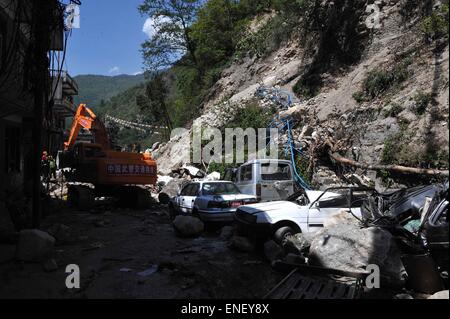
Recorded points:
188,226
348,247
440,295
242,244
170,190
34,245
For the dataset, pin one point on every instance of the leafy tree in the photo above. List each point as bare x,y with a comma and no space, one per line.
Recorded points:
154,100
172,20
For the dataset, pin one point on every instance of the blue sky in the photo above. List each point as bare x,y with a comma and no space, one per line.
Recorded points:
109,39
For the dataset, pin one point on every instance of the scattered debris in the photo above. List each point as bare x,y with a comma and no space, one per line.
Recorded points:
148,272
125,270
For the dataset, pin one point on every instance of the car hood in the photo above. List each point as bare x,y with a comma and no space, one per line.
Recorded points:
269,206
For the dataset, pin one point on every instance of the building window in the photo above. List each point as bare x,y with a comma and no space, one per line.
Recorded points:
12,149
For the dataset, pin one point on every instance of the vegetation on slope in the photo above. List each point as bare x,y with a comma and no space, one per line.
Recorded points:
93,89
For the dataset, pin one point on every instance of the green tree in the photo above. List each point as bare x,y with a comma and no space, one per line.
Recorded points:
171,21
154,101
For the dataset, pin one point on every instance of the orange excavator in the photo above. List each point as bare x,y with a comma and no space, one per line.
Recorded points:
109,173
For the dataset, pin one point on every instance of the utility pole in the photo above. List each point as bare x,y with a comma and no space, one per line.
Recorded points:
42,19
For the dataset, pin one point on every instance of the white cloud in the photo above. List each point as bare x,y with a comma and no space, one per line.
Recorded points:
149,27
114,70
152,25
138,73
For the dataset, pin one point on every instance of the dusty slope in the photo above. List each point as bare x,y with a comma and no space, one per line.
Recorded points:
367,125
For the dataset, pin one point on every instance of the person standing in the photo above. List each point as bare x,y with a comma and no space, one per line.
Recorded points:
52,167
45,167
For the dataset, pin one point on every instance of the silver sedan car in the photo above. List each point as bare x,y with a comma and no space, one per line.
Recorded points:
210,201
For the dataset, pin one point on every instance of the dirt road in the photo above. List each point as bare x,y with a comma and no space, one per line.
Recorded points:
136,254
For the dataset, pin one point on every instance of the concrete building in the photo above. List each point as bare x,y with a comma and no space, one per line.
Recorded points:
34,100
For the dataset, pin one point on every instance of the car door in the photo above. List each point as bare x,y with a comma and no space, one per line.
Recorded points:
189,198
276,181
324,208
246,184
181,200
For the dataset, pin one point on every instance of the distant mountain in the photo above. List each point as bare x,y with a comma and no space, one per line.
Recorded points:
95,88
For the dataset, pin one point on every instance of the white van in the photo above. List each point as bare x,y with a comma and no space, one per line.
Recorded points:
268,180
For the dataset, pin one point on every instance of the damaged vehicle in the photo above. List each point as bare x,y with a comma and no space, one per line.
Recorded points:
210,201
305,211
418,217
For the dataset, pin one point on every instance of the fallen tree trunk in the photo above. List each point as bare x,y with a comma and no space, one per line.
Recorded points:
391,168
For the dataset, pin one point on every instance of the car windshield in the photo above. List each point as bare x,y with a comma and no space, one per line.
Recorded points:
220,189
276,172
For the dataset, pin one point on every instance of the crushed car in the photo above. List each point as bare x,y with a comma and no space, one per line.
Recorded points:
211,201
418,217
305,211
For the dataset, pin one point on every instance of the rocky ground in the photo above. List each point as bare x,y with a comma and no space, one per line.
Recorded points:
134,254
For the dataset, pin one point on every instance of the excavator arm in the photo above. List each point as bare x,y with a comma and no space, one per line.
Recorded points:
84,117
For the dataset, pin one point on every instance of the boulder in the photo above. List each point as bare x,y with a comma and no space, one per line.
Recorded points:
188,226
242,244
226,232
440,295
348,247
272,250
34,245
170,190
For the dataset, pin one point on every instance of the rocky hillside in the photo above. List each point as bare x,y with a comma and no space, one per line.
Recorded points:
387,104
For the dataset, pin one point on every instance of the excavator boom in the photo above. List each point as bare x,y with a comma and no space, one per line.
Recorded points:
87,119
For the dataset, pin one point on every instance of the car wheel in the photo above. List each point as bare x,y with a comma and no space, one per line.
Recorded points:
282,234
